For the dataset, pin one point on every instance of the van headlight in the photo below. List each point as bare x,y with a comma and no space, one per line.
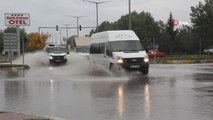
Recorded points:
51,57
120,60
146,58
65,57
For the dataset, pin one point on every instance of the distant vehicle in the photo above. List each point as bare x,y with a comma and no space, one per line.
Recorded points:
156,53
118,49
57,54
208,50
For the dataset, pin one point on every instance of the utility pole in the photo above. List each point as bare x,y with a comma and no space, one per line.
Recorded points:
66,25
77,17
96,3
130,18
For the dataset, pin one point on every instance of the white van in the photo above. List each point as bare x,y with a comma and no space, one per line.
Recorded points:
118,49
57,54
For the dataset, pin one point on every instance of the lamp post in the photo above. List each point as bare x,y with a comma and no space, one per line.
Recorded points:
60,37
130,18
77,17
96,3
66,25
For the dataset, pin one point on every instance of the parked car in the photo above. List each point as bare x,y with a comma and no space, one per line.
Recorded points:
156,53
208,50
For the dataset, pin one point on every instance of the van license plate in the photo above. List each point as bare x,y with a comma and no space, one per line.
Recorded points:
58,60
135,66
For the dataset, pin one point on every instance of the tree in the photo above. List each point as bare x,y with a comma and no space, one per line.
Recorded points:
171,31
143,24
202,21
37,41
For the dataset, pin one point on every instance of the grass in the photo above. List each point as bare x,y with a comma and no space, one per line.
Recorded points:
185,57
14,66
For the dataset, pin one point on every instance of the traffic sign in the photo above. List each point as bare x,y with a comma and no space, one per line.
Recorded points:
10,42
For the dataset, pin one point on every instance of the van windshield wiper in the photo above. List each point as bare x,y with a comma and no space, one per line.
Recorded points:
133,50
127,50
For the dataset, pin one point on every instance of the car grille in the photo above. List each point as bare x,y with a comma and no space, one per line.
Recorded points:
133,60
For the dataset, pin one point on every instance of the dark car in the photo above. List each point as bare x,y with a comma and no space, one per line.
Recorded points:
156,53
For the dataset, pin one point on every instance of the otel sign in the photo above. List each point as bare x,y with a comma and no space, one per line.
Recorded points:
14,19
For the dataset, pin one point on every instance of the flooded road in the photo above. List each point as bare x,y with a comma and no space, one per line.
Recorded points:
169,92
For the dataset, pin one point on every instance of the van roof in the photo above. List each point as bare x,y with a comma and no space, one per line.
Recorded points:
114,35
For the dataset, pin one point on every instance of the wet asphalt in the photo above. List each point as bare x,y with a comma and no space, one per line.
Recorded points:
72,91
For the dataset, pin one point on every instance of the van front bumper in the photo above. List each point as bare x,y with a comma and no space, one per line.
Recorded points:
58,59
134,64
135,67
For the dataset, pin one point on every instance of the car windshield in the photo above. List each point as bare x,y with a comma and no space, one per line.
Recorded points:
56,50
126,46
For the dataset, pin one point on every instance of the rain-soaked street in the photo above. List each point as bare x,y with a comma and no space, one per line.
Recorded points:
71,92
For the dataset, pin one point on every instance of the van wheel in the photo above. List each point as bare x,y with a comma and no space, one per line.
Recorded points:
145,71
51,62
114,69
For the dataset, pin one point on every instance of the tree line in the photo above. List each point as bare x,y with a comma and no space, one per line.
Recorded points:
184,40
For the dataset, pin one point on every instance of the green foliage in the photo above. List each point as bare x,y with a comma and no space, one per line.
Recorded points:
202,20
14,66
143,24
185,57
171,31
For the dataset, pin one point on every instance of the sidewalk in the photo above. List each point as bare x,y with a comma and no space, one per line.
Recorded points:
20,116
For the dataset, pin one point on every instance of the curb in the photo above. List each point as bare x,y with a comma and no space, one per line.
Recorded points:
21,116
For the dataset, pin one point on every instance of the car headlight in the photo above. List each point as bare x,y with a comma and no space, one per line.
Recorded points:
146,58
120,60
51,57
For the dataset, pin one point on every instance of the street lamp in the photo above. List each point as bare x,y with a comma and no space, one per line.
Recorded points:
77,17
67,29
130,19
60,36
97,3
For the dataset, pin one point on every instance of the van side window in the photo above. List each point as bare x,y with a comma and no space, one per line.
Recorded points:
102,48
97,48
94,49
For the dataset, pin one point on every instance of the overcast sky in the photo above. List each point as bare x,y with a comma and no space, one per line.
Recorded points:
55,12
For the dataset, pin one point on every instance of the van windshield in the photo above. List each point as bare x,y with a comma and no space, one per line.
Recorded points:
126,46
56,50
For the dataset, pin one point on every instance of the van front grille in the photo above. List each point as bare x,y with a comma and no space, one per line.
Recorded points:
58,57
133,60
